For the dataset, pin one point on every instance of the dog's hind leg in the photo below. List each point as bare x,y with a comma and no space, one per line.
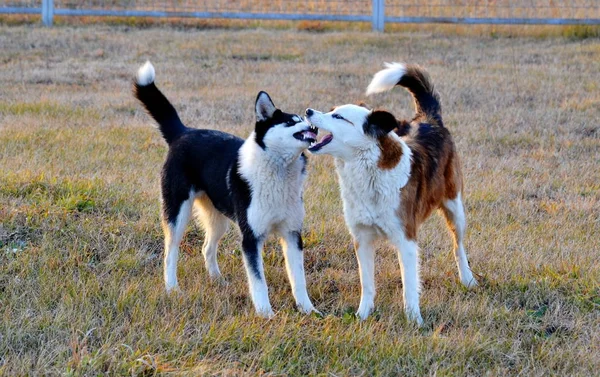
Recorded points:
365,254
252,255
174,223
454,213
291,243
215,225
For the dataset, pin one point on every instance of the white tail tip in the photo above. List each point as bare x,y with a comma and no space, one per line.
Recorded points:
387,78
145,75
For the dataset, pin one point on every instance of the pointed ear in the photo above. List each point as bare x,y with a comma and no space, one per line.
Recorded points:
380,123
264,107
362,104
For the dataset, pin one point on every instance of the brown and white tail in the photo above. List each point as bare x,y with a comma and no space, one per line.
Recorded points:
414,79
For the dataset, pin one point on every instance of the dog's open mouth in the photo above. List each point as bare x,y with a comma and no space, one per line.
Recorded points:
324,141
309,135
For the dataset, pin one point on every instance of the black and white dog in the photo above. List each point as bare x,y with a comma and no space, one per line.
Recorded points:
257,183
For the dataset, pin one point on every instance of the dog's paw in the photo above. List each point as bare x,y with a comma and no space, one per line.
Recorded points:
266,313
263,308
306,307
308,310
317,314
219,280
468,280
364,311
173,289
414,316
470,283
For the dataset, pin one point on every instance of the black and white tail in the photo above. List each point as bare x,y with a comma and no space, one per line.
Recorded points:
414,79
157,105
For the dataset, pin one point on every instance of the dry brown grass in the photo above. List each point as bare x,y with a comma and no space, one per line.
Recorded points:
80,242
535,31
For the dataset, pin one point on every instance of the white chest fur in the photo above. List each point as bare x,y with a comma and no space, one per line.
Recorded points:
276,185
371,195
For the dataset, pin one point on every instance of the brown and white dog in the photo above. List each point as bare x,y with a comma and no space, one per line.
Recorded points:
392,175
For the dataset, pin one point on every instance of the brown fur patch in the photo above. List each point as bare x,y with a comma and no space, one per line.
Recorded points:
453,176
391,152
435,177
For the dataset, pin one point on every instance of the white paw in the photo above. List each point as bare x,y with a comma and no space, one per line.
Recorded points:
364,311
318,312
213,272
305,306
265,313
219,280
414,316
172,288
468,280
307,309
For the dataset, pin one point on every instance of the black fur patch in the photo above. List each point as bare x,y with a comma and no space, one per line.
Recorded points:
242,196
250,248
159,107
379,123
262,127
191,164
427,102
279,117
299,243
431,138
304,162
403,128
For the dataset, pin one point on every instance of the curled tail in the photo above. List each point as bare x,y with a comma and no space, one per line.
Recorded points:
157,105
414,79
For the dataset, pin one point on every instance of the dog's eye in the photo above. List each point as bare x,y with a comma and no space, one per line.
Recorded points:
292,122
337,116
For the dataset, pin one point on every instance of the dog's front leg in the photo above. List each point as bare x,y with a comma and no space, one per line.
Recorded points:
252,255
408,253
291,243
365,253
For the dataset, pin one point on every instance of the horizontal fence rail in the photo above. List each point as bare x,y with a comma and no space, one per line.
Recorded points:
553,12
378,12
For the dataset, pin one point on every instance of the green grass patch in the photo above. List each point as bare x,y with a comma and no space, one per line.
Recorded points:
47,109
66,194
578,32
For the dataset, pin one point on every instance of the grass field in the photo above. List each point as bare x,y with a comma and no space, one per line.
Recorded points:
81,289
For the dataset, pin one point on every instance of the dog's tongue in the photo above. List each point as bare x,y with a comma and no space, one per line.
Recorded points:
309,135
326,139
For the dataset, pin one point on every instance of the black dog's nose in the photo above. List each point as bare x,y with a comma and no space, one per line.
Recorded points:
309,112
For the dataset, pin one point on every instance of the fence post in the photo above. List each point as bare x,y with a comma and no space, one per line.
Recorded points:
378,22
47,12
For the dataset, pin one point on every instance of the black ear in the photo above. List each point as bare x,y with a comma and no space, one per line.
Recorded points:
264,107
380,123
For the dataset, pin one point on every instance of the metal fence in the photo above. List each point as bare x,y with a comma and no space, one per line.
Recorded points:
378,12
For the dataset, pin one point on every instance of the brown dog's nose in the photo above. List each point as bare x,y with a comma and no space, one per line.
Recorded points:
309,112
